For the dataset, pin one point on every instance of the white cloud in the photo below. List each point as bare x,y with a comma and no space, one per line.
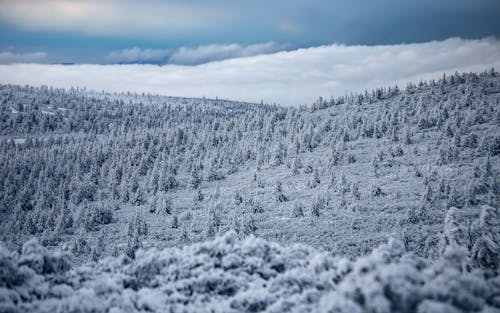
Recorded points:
217,52
290,78
193,55
137,55
7,57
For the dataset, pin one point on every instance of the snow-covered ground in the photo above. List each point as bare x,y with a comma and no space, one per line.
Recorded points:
134,189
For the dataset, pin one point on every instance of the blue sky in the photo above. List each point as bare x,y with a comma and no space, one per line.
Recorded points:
132,31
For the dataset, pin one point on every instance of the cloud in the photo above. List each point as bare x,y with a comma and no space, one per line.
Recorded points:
217,52
7,57
287,77
111,17
193,55
137,55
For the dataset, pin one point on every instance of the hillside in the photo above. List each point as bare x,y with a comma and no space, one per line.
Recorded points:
99,176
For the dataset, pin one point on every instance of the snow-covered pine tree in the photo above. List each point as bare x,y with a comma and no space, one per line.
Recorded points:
298,209
355,190
297,165
315,180
213,220
195,179
375,166
175,222
248,224
198,197
486,249
342,185
278,193
98,248
317,206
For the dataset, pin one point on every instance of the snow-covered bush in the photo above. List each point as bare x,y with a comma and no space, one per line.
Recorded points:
95,214
251,275
37,258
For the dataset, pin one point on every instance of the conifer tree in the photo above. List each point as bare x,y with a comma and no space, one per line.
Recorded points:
486,249
278,193
298,209
175,222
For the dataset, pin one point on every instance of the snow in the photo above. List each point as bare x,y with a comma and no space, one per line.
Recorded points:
251,275
379,202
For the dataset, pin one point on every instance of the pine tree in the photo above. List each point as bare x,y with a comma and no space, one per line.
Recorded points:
278,193
234,221
133,243
318,204
199,196
453,232
428,196
442,186
248,224
342,185
453,198
375,166
175,222
164,205
297,165
394,134
315,180
237,198
213,220
216,194
486,249
298,209
278,155
195,180
98,249
80,244
137,224
355,190
184,237
472,194
65,218
407,136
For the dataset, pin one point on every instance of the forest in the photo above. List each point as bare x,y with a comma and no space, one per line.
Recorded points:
382,201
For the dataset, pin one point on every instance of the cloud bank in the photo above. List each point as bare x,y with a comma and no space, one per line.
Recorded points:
288,77
217,52
138,55
193,55
7,57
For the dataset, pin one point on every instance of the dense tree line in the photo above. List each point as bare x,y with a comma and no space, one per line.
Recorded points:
69,158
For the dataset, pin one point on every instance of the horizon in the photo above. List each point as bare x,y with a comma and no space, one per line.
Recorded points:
289,78
435,79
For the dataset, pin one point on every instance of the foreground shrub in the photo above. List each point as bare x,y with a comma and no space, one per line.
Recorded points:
251,275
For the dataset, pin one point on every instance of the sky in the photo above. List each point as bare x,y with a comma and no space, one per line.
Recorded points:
282,43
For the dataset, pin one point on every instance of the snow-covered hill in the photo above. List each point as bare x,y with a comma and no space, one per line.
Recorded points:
104,175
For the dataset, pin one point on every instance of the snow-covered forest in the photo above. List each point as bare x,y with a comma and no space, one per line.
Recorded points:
384,201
